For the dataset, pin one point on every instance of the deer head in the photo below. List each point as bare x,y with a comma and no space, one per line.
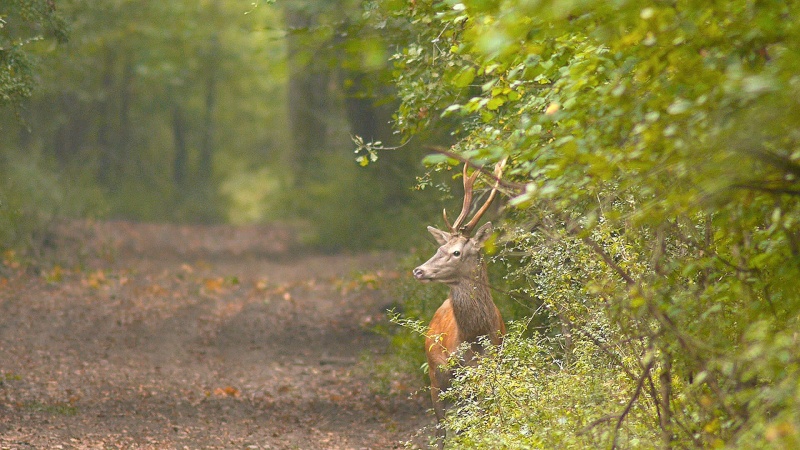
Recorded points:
459,255
457,258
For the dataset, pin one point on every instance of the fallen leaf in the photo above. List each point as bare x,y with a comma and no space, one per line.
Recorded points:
214,284
227,391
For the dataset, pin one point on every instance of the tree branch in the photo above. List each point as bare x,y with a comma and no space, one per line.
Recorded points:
516,188
609,260
632,401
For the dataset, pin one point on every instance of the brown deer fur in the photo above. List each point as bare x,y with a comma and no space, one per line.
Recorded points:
469,312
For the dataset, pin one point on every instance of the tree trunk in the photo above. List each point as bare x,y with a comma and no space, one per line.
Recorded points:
180,163
205,165
308,96
71,135
123,143
108,163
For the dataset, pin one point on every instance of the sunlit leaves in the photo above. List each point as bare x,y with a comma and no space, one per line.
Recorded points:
658,147
464,77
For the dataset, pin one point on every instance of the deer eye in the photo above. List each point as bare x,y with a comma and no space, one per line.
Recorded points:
456,253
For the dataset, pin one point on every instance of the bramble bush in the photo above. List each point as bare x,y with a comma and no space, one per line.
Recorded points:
652,216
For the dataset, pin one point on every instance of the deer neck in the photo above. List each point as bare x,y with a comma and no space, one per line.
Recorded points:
473,307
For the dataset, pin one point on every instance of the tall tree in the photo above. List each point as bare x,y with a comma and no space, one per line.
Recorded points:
309,90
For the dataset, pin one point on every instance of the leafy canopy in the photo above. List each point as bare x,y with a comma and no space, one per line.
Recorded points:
654,163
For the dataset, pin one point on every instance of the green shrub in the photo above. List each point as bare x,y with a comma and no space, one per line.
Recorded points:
654,213
33,197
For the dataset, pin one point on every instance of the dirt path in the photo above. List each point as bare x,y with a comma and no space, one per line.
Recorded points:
162,337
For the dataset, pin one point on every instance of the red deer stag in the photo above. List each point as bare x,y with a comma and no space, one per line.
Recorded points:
469,312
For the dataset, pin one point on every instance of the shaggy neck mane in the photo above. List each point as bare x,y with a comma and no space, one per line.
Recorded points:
472,305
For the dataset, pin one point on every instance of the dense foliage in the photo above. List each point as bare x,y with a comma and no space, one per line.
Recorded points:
653,212
29,197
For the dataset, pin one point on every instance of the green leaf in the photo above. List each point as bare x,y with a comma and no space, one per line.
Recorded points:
495,102
464,77
679,106
438,158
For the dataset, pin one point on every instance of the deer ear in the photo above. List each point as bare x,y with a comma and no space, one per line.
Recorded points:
442,237
483,233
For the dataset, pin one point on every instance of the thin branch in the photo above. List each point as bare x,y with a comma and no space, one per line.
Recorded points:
359,141
754,186
707,249
609,260
654,395
632,401
665,378
607,350
516,188
692,349
777,161
594,423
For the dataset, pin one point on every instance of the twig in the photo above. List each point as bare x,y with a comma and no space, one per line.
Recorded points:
753,186
666,394
515,187
632,401
596,422
608,259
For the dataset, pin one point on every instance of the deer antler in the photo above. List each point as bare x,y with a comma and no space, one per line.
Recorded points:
469,182
498,171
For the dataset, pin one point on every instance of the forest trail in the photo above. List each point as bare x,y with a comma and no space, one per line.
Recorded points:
152,336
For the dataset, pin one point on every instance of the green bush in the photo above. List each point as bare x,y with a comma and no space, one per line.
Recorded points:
654,212
33,197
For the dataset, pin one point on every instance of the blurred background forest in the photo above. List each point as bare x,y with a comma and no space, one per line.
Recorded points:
200,111
648,260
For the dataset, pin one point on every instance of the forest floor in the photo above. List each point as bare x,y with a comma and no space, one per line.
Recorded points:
197,337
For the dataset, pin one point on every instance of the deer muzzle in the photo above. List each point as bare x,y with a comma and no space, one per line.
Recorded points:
419,274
